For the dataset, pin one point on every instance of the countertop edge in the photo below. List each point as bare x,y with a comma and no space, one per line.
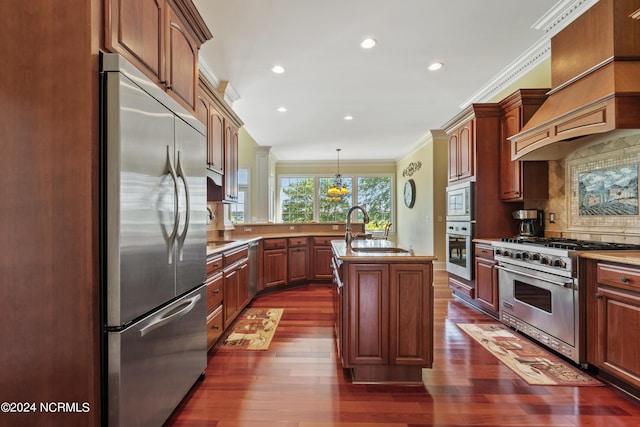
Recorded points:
622,257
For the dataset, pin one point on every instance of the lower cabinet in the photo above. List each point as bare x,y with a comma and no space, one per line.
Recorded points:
386,321
486,276
613,320
274,260
236,283
298,259
215,292
321,258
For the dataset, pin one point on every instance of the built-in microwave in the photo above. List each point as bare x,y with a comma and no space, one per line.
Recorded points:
460,202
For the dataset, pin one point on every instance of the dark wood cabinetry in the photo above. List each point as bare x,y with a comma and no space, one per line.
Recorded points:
486,291
521,180
275,264
613,316
298,259
384,319
321,258
162,38
461,152
231,161
236,283
215,298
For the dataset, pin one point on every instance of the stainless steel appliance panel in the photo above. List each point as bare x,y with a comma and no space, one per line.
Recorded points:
460,202
546,301
191,237
459,249
140,201
154,362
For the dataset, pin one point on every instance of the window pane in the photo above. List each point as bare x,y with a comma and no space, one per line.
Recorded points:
334,207
296,198
238,208
374,194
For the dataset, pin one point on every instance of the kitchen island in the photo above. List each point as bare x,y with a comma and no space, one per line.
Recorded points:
383,305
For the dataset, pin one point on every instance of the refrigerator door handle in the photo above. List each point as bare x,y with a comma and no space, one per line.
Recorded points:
170,315
182,236
170,238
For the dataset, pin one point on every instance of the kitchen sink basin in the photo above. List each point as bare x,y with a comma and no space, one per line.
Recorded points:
380,250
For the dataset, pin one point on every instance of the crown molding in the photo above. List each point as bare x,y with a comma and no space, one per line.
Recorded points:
557,18
230,94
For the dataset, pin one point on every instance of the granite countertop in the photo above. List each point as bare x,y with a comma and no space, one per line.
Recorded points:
487,240
371,250
625,257
220,246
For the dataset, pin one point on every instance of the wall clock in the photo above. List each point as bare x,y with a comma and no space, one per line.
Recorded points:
410,193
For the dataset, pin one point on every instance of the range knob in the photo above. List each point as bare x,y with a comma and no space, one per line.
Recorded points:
559,263
526,255
535,257
498,251
506,253
518,255
545,260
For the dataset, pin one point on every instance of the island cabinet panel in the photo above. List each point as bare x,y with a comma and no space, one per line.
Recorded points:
368,314
409,314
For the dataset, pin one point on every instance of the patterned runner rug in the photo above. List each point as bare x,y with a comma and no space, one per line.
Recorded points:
253,329
532,363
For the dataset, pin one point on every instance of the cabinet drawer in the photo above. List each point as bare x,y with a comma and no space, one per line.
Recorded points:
275,243
233,256
214,326
461,288
618,276
214,264
324,241
485,252
298,241
214,292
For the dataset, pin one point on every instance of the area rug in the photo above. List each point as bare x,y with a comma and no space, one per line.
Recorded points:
532,363
253,329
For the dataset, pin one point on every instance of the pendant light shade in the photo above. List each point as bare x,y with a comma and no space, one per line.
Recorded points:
337,189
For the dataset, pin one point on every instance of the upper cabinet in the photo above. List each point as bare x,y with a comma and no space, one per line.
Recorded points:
222,139
461,155
521,180
162,38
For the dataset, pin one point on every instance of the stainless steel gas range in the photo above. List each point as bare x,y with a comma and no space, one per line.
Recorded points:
540,292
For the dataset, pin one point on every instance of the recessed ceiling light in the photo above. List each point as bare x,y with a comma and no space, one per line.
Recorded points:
435,66
278,69
368,43
348,117
282,109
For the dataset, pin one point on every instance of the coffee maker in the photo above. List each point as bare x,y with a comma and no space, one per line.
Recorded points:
531,222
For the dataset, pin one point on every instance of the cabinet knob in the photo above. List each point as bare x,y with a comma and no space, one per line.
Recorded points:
624,279
216,291
598,296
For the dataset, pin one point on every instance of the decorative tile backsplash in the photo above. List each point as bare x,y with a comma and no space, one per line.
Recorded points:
613,164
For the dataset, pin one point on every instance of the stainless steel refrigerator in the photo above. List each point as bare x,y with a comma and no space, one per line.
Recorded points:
153,247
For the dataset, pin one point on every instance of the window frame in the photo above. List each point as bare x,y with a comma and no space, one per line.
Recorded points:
316,186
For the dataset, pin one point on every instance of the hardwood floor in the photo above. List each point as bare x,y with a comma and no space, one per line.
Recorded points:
298,381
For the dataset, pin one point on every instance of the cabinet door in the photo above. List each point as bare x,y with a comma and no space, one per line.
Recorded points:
322,262
487,283
619,333
510,187
135,29
411,316
367,288
231,162
298,264
453,156
465,151
231,304
275,267
215,147
181,60
243,285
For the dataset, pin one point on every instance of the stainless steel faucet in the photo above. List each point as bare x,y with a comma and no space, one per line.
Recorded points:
348,237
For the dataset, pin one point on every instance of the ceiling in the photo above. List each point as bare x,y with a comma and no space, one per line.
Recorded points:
394,100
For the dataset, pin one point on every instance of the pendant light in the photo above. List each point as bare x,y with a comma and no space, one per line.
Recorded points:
338,189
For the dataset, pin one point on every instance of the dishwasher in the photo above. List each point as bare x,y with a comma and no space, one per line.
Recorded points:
253,269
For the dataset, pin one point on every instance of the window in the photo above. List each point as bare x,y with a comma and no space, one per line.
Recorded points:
240,209
305,199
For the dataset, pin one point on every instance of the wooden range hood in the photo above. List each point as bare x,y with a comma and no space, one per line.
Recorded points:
595,78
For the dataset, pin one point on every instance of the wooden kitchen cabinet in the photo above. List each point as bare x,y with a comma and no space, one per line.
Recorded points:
521,180
321,258
162,38
613,320
275,265
486,274
215,299
236,283
384,319
209,114
298,259
461,152
231,162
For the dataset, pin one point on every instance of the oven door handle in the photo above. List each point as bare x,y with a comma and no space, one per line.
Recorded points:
563,284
